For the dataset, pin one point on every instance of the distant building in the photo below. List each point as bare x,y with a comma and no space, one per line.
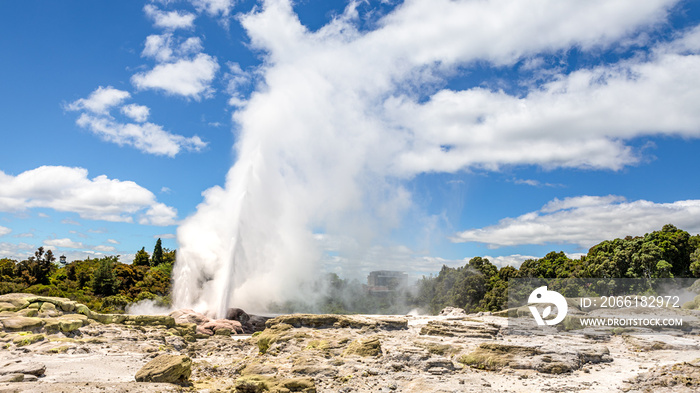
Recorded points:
384,281
62,260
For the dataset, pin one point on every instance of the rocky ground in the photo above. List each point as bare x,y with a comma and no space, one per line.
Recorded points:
55,345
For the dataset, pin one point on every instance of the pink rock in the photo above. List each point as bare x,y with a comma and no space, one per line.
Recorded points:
212,326
186,315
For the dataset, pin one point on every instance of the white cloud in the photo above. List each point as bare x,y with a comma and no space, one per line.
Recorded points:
165,236
214,7
112,241
165,190
70,190
586,221
578,120
147,137
138,113
534,183
103,248
514,260
236,78
165,47
189,78
16,251
158,46
159,214
68,221
63,243
169,20
5,231
192,45
100,101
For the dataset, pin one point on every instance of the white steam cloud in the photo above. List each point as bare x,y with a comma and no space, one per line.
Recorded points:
338,123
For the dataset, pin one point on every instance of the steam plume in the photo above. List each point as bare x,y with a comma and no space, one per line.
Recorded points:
326,139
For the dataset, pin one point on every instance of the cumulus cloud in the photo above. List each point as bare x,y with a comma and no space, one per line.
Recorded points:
170,20
138,113
578,120
100,101
145,136
189,78
112,241
63,243
159,214
103,248
16,251
70,190
166,47
5,231
586,221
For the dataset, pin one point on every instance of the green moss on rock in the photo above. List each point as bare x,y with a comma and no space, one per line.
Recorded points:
364,347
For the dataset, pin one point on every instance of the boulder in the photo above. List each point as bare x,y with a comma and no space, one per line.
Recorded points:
48,310
364,347
212,327
28,339
453,312
12,378
14,301
460,329
261,383
187,315
22,323
256,323
236,314
66,323
31,368
166,368
250,323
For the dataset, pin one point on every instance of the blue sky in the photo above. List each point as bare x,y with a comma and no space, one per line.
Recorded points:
405,135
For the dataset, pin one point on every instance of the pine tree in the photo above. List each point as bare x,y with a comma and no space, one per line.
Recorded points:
157,257
104,281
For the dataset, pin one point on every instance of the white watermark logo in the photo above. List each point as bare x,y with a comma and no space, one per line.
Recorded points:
542,296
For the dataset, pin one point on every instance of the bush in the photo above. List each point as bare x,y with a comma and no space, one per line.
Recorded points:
44,290
10,287
116,303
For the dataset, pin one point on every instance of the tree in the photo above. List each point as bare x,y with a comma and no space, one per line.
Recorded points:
695,262
169,256
44,266
157,258
7,268
141,258
104,281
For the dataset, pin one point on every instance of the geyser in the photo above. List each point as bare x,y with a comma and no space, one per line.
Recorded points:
309,155
341,117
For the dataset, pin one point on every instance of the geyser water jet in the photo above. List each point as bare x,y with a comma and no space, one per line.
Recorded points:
309,156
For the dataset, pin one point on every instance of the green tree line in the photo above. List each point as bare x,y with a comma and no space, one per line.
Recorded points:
481,286
104,284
